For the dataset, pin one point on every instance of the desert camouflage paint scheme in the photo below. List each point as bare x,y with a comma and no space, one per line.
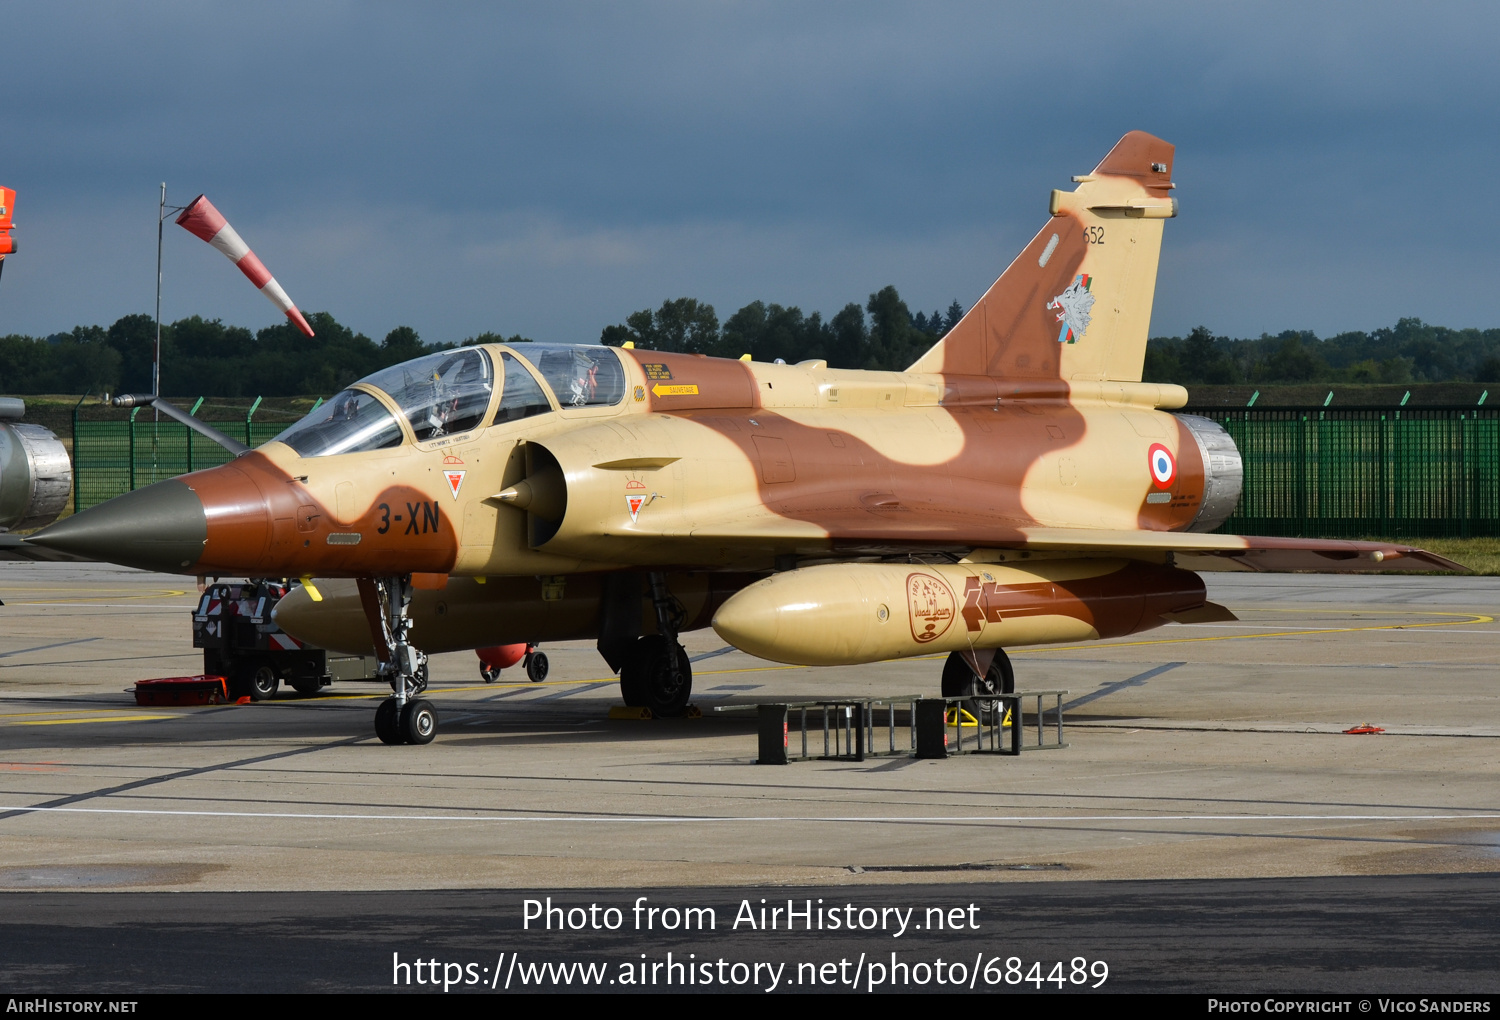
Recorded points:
1018,484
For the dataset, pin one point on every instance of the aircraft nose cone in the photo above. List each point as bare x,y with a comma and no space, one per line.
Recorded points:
162,527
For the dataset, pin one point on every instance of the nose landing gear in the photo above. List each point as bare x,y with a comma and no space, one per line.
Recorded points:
404,718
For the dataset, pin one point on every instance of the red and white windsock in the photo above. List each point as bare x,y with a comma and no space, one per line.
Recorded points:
201,218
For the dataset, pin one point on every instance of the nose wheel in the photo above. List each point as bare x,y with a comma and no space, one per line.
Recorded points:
404,718
416,723
388,722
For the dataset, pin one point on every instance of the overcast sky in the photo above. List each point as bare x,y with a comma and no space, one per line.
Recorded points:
549,168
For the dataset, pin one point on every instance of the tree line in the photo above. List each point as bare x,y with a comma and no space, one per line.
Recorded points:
205,356
1411,351
881,334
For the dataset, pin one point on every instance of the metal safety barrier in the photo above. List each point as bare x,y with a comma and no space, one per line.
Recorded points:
849,729
999,728
855,729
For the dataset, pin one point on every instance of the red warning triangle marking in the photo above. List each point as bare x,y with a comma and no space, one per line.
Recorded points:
455,481
634,503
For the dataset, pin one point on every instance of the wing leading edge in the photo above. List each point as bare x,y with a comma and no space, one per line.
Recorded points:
998,540
1238,552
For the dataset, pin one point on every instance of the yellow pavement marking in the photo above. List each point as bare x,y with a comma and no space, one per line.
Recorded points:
1467,618
95,719
97,595
437,690
63,711
1360,612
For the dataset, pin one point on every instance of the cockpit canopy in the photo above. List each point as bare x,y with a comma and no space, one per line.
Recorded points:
579,376
441,394
449,393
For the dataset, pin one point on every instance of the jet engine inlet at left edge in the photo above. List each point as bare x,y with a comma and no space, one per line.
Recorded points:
35,476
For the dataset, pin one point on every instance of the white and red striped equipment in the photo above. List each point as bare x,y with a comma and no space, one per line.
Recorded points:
201,218
7,210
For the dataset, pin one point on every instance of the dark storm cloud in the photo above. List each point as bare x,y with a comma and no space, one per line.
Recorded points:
549,169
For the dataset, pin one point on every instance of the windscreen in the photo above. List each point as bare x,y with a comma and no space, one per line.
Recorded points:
349,423
522,396
442,394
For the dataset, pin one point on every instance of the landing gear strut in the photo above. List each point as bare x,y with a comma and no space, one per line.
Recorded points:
961,679
404,718
656,673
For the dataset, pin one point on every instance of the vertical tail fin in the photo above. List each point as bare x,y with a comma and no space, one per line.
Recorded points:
1076,303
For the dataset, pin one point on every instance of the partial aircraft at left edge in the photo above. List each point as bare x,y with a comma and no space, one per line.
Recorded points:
35,474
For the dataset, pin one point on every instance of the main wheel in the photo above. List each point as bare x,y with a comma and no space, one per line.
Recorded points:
632,684
647,677
307,687
418,722
537,666
959,681
388,722
264,681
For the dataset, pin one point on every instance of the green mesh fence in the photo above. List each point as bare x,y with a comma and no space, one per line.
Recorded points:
111,457
1353,472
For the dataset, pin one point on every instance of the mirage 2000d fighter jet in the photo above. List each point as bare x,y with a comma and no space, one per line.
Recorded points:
1018,484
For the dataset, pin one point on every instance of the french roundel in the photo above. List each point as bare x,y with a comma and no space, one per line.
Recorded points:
1163,466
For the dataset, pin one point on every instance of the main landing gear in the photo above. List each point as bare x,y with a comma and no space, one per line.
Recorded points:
656,673
404,718
962,679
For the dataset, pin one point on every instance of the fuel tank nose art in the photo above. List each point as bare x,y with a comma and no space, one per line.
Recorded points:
162,527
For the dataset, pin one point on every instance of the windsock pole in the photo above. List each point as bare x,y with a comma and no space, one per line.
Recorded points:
203,220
